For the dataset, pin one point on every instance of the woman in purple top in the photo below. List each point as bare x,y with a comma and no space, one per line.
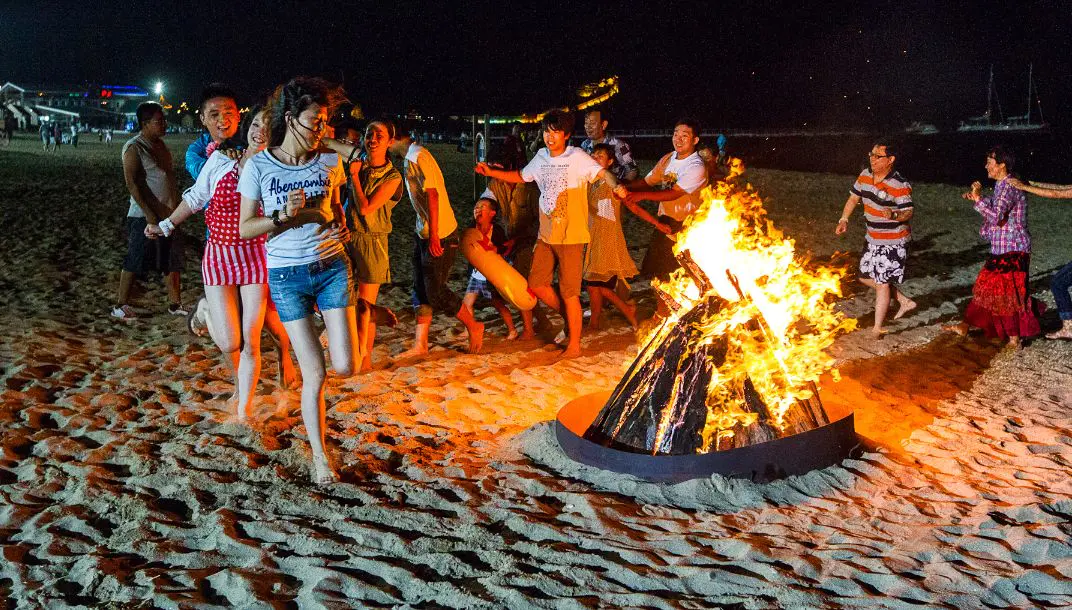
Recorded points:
1000,304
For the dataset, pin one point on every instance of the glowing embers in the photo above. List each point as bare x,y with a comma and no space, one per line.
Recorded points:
736,361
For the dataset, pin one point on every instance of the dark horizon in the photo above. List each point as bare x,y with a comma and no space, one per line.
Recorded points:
742,66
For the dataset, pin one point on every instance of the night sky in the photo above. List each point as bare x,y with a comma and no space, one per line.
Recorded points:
743,64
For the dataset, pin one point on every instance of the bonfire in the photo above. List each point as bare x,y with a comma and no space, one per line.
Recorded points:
737,360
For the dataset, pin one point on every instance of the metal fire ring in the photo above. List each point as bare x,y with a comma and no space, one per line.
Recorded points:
791,455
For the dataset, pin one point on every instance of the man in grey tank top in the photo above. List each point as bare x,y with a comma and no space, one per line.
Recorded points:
149,173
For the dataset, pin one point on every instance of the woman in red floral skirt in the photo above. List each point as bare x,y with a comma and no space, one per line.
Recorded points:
1001,305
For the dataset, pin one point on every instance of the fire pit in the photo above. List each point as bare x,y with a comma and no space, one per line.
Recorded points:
726,383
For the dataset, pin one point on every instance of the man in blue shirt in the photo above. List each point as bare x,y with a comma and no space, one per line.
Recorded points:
219,115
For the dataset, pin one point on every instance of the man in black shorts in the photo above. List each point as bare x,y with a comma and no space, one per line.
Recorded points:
149,174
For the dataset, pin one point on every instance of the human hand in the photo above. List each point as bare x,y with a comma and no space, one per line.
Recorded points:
1016,183
664,228
435,247
483,169
295,202
153,231
842,226
232,153
621,192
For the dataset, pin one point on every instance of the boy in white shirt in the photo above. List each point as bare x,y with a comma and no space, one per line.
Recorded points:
675,182
563,174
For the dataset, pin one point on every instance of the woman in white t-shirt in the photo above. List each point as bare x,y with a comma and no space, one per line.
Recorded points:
298,190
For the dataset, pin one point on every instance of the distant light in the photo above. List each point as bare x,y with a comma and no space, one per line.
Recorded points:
159,87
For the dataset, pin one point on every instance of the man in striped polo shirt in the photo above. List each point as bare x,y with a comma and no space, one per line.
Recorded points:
887,201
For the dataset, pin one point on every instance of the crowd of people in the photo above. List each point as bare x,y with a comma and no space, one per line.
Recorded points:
298,204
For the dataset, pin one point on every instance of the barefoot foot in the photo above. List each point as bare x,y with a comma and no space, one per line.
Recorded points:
570,352
476,338
323,472
904,308
961,328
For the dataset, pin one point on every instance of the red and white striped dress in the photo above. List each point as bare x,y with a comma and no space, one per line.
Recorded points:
230,260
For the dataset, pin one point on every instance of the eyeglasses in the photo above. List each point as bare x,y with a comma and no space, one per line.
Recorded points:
874,156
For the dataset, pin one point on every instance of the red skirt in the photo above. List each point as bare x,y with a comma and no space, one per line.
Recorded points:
234,265
1000,304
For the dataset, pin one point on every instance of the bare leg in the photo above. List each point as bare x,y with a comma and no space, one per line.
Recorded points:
310,355
126,280
171,280
475,329
904,303
628,310
369,292
508,318
526,319
548,296
420,338
469,301
225,328
345,344
595,297
288,375
882,305
573,321
254,297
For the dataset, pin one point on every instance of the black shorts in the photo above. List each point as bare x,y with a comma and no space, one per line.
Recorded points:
660,261
163,254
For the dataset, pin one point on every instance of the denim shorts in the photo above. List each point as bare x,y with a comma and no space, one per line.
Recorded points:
327,283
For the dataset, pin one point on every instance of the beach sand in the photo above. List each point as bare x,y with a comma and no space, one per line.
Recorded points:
124,481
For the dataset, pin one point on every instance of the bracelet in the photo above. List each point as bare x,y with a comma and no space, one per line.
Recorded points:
166,227
843,219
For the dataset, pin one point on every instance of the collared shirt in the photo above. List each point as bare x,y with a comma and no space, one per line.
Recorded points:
196,155
1005,219
622,153
891,194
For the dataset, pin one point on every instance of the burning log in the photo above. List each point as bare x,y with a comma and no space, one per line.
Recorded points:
693,387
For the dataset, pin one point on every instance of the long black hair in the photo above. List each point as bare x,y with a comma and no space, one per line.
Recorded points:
294,97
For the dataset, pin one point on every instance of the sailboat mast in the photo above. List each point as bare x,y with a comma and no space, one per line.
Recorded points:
1030,68
990,95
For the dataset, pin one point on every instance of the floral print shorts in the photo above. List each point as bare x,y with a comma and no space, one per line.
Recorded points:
884,264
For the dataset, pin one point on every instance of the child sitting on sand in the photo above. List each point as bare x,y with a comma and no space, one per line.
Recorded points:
484,213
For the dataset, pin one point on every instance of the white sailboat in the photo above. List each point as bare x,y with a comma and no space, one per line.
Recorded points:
991,122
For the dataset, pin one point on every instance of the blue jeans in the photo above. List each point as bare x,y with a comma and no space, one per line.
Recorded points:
1059,285
327,283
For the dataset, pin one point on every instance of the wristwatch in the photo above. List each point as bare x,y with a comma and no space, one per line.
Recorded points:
276,220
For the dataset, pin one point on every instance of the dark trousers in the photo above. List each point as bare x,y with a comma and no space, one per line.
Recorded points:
430,273
1059,285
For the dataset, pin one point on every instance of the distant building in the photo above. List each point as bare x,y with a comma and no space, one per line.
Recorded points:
93,106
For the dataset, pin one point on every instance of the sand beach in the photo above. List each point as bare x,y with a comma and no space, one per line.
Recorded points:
126,483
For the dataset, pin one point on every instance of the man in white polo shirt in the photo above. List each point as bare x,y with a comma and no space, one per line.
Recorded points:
675,182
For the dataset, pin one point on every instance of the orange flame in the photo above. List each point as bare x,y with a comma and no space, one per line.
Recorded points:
780,315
